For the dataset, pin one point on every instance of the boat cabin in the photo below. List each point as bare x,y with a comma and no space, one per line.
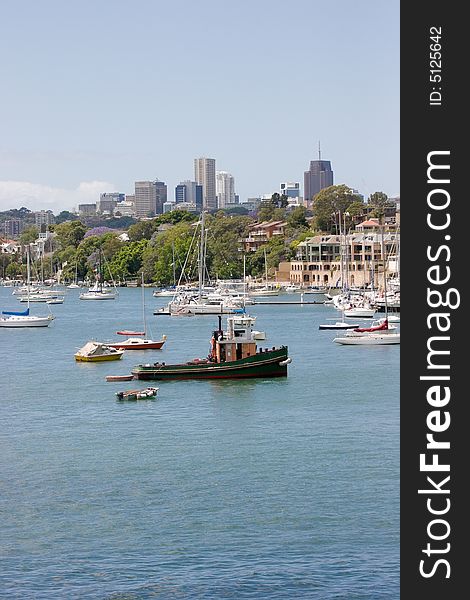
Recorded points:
236,343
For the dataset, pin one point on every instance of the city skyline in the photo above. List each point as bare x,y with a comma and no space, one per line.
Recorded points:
74,126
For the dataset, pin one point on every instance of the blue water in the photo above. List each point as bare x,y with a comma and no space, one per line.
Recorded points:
279,489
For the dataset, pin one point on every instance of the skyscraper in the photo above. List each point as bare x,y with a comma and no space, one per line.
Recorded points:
204,174
225,188
149,198
189,191
318,177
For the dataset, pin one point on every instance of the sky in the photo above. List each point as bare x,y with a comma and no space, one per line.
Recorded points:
99,94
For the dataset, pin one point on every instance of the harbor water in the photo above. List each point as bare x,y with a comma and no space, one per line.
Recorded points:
279,489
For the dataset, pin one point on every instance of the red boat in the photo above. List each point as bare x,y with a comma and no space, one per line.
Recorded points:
381,327
136,343
139,344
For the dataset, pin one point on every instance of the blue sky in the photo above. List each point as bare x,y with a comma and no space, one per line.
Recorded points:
96,95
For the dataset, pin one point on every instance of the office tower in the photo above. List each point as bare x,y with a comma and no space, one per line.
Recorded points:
107,202
318,177
204,174
225,189
189,191
149,198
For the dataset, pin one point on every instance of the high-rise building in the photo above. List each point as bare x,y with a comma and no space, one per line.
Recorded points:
318,177
189,191
85,210
149,198
44,217
107,202
225,189
290,189
13,228
204,174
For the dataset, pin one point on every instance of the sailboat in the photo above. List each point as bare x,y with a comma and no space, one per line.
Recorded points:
139,343
265,290
97,292
74,284
190,303
377,335
23,318
340,324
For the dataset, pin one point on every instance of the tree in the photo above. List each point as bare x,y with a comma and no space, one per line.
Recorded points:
297,219
29,235
127,261
223,258
143,230
276,251
13,270
236,210
330,201
65,215
379,201
69,233
157,258
265,211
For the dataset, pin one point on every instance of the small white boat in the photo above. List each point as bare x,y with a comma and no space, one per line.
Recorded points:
338,325
97,295
363,313
99,291
293,289
145,394
24,320
263,292
391,318
371,339
164,293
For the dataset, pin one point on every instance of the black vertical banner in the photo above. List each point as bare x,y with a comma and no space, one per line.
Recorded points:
434,250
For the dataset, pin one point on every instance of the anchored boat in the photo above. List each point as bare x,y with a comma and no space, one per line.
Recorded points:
97,352
145,394
233,355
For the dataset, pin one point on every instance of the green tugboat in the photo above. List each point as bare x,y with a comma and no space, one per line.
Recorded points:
234,355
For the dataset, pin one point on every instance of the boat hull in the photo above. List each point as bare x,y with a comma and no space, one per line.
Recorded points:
119,377
26,322
338,326
87,296
264,364
104,358
137,346
373,340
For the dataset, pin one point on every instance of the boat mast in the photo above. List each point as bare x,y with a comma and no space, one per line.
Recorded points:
201,254
28,274
244,282
174,264
100,273
143,305
384,269
266,269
